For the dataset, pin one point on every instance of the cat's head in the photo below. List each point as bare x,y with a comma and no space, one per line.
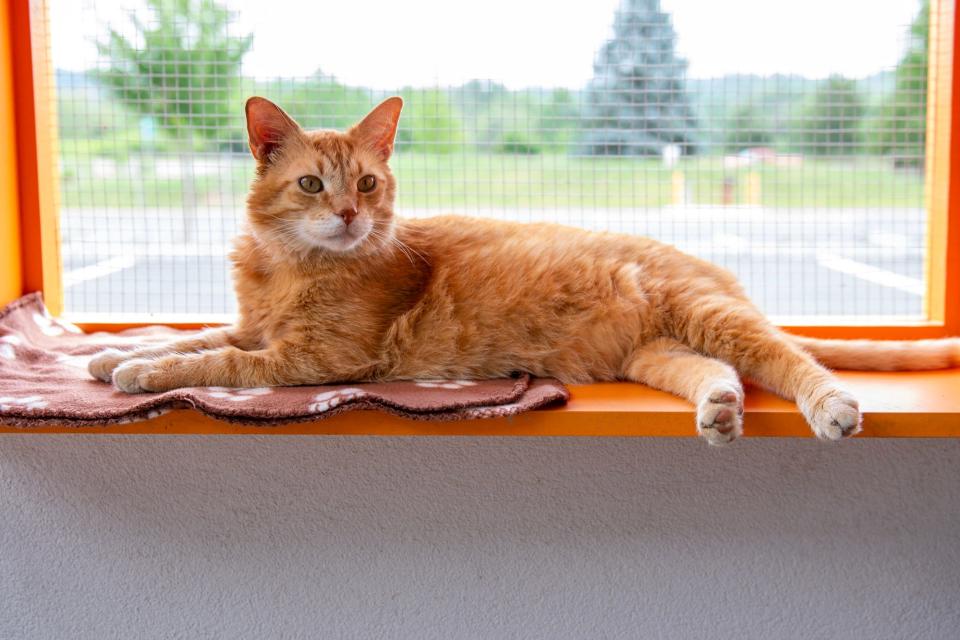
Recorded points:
325,191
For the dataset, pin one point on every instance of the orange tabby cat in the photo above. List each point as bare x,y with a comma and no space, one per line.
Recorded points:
333,287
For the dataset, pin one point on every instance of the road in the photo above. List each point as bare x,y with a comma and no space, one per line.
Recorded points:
793,262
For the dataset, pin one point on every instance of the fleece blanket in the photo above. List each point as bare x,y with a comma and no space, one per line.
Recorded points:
44,380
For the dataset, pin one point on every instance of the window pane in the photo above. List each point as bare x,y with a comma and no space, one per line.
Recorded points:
783,140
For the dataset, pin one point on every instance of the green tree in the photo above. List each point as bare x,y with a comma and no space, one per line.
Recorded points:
481,103
511,122
903,123
831,123
429,123
746,128
637,100
559,120
180,68
321,101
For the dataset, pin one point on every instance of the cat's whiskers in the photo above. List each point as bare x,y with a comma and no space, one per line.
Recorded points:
287,232
415,252
390,237
386,240
404,248
407,248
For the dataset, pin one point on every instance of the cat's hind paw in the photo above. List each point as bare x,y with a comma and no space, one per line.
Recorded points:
101,366
835,416
720,415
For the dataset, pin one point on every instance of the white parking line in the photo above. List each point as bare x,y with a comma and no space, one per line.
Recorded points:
152,250
872,274
98,270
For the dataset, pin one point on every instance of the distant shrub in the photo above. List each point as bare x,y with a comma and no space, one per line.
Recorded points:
518,143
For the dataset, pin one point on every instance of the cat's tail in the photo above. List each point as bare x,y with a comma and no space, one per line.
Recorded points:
883,355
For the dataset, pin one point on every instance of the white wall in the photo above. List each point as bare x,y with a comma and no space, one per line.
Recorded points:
336,537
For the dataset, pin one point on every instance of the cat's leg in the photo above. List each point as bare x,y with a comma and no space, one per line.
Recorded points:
101,366
713,386
223,367
832,412
736,332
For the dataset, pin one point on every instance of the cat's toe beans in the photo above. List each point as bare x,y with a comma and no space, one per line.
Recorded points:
101,366
723,421
720,417
723,396
837,416
133,376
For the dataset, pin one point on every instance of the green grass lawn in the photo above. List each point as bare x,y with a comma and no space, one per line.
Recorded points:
468,181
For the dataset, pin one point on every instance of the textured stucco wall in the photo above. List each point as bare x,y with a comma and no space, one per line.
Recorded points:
326,537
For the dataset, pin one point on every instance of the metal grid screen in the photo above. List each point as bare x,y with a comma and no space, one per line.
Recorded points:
794,159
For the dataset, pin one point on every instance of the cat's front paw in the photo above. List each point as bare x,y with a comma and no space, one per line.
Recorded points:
133,376
835,415
720,415
101,366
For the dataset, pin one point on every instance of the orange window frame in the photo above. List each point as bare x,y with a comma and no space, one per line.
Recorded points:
29,233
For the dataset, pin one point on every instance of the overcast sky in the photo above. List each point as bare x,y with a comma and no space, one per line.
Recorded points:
387,44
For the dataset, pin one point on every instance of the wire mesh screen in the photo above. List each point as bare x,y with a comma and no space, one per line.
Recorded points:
797,161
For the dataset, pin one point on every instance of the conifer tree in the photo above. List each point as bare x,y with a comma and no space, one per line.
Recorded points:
637,100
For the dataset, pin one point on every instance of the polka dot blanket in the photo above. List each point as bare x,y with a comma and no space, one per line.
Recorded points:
44,381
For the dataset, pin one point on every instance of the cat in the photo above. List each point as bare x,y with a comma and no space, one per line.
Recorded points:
332,287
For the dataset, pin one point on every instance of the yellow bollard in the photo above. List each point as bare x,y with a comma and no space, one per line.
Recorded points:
679,195
753,188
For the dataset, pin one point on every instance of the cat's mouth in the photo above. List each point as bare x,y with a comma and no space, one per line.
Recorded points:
346,238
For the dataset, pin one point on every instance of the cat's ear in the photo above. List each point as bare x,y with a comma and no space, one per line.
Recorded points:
268,126
379,128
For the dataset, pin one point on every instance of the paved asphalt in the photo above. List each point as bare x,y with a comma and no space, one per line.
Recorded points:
793,262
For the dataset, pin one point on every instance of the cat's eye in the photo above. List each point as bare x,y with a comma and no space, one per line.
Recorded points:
311,184
366,184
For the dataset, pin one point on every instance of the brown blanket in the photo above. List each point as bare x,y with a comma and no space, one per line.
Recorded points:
44,380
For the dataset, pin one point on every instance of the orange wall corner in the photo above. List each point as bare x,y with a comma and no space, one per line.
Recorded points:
11,274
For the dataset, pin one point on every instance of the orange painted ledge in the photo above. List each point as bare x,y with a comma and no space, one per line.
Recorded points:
895,405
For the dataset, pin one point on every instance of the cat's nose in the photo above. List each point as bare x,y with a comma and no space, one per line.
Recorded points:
348,215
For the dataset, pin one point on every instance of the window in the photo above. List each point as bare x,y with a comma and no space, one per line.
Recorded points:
795,154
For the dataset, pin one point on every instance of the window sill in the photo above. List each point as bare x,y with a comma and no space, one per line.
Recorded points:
895,405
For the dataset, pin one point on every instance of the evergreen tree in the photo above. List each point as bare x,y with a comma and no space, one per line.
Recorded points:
637,100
